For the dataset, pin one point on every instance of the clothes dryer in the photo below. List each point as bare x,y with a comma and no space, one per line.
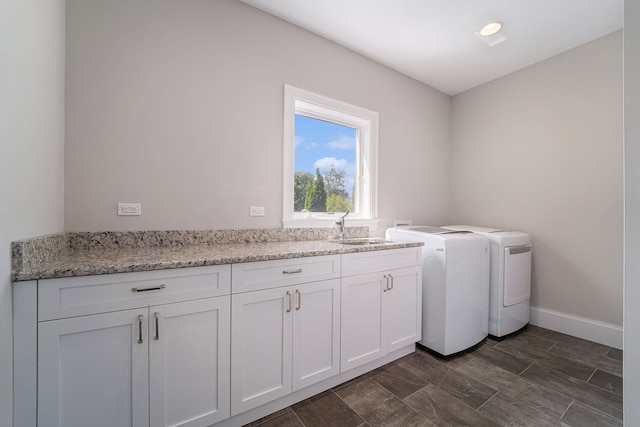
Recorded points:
510,294
455,293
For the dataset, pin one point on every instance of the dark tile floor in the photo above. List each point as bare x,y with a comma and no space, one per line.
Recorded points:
535,377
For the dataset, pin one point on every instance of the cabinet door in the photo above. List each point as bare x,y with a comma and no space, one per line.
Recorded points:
316,332
92,371
261,333
361,308
189,350
402,308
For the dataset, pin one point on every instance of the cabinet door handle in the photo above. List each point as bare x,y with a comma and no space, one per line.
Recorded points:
140,317
385,286
289,297
152,288
391,281
157,315
299,300
299,270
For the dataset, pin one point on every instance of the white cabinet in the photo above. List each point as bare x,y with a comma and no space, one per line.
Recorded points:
260,348
402,308
91,371
316,332
189,362
154,365
382,309
283,338
206,345
361,320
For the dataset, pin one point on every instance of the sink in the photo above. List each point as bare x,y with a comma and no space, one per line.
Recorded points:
363,241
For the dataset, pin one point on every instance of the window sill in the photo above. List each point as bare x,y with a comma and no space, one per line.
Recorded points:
329,222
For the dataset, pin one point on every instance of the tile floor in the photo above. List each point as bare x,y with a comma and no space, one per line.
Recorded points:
535,377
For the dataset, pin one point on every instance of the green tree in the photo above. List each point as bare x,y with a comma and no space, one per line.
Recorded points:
336,203
316,198
302,181
338,199
335,182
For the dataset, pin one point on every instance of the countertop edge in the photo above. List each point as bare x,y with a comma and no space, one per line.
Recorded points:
250,252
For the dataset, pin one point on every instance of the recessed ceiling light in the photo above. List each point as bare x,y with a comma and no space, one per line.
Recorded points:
491,28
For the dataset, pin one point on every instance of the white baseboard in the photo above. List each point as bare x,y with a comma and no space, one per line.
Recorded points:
602,333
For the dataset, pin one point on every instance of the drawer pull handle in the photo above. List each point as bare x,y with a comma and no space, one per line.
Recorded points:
299,270
289,297
153,288
299,300
157,315
391,281
385,288
140,317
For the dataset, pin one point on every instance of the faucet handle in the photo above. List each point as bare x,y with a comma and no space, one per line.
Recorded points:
341,219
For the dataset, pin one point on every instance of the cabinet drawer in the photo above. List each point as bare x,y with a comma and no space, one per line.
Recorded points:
369,262
77,296
252,276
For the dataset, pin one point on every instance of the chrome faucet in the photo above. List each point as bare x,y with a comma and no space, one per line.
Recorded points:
340,223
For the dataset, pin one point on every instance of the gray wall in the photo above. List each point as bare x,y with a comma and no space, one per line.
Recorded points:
632,212
540,150
178,106
158,102
31,145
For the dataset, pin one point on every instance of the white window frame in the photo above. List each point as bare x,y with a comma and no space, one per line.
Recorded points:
299,101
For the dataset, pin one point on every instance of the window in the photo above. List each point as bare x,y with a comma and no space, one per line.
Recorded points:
330,160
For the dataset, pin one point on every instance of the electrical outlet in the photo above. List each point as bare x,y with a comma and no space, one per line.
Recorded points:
256,210
129,209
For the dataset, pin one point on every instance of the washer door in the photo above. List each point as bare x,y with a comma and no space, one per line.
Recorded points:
517,274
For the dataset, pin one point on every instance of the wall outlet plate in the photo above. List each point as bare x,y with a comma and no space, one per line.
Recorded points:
129,209
256,210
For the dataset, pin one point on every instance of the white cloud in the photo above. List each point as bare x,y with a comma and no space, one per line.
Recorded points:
343,142
326,162
299,140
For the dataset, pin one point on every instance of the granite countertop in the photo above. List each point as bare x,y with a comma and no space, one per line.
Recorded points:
82,254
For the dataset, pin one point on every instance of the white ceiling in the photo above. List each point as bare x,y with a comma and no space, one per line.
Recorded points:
435,41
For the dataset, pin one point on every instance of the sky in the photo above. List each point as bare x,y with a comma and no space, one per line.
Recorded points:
320,144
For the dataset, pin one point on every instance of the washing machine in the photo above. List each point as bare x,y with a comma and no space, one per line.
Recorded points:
455,280
510,278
